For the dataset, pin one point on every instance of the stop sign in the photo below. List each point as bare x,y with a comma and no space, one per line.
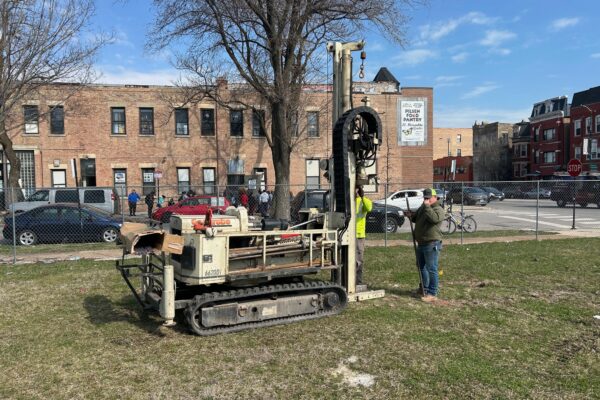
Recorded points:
574,167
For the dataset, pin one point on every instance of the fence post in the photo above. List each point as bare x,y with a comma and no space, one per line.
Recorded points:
574,197
14,227
537,209
462,207
385,215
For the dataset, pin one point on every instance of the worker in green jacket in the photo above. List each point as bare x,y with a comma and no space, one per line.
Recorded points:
363,207
428,235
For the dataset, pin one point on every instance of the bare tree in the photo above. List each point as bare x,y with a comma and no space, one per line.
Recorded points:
273,45
40,43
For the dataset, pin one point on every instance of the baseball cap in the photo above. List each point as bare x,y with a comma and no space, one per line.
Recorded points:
429,193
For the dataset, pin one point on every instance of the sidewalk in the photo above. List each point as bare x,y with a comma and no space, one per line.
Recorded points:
117,252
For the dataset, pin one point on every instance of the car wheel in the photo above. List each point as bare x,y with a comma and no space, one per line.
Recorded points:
390,225
166,217
27,238
561,203
583,204
598,204
110,235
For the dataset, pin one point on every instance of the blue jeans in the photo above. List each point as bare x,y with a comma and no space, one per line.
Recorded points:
428,256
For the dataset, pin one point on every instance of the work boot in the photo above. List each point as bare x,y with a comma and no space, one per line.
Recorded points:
418,292
429,298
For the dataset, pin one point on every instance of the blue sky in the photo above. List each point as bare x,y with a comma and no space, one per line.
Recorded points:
486,60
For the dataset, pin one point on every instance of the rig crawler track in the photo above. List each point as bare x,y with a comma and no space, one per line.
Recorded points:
236,310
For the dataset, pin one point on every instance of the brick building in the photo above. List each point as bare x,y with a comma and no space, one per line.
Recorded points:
463,173
585,129
457,142
129,134
492,149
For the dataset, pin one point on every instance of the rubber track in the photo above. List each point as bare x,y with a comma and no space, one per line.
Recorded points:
259,293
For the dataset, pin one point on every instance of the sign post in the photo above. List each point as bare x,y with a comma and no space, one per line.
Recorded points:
574,168
157,176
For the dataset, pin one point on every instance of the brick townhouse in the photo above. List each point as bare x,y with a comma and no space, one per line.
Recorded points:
128,135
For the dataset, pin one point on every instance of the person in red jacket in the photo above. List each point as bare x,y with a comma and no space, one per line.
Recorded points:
243,198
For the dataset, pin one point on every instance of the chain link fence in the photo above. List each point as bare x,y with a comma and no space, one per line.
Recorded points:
93,215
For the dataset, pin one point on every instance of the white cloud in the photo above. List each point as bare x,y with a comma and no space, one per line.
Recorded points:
479,90
595,55
436,31
501,52
495,38
121,75
460,57
563,23
447,81
120,38
465,117
411,58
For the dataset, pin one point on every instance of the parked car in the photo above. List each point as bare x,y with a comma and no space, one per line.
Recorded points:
376,219
513,193
105,199
493,193
63,222
195,205
533,194
399,198
472,196
585,192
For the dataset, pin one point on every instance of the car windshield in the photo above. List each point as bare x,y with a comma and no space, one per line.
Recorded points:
473,190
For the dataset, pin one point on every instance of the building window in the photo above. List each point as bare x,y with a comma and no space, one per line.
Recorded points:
578,153
313,177
147,181
458,138
258,123
588,124
261,174
549,134
59,178
235,172
146,121
57,120
117,115
183,180
32,116
594,149
577,127
181,122
208,180
536,157
120,181
312,123
458,153
294,124
207,124
549,157
523,150
536,134
236,123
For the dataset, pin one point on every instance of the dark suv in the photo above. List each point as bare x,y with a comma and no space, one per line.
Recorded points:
585,192
376,219
472,195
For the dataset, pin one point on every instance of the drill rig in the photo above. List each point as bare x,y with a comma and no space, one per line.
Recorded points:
231,276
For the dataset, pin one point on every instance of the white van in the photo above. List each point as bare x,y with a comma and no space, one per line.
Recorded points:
103,198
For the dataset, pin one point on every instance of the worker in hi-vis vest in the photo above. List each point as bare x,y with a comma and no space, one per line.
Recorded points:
363,207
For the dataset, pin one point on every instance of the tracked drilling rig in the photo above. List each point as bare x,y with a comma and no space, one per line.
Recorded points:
231,276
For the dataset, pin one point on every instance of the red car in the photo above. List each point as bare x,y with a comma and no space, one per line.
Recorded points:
196,205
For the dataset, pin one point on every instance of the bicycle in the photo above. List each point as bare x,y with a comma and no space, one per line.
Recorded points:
465,222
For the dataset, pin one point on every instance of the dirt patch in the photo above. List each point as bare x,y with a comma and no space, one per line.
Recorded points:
353,378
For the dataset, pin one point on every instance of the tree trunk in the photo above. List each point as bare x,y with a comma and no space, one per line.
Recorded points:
11,192
281,161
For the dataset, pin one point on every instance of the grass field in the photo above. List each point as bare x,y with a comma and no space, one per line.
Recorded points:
518,322
456,235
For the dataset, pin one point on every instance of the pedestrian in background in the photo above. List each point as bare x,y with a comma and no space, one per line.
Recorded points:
363,207
428,235
264,203
132,200
243,198
160,201
171,202
149,200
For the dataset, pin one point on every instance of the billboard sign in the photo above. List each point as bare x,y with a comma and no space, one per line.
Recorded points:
413,121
